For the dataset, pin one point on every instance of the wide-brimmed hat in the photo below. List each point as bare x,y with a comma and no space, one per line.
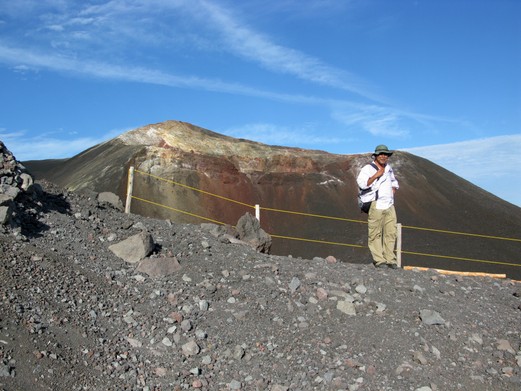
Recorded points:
382,149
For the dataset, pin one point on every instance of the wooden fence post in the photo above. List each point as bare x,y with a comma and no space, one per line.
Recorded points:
130,185
399,244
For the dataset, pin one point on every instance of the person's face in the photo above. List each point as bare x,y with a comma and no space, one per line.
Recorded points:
382,159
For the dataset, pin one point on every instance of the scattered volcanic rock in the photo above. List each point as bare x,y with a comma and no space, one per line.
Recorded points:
13,180
75,316
13,175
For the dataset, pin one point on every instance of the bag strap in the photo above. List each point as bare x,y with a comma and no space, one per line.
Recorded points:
364,191
376,168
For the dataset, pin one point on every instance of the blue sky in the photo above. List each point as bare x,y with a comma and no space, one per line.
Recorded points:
438,78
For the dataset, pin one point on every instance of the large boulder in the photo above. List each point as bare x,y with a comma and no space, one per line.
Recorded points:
134,248
250,231
107,197
6,208
159,267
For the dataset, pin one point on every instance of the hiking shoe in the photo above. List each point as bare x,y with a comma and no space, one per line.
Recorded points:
380,265
392,266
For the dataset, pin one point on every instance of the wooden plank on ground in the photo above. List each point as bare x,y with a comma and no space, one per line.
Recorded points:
451,272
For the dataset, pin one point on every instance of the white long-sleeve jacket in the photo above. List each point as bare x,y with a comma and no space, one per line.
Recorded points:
384,185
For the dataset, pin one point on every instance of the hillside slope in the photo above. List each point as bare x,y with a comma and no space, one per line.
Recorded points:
295,180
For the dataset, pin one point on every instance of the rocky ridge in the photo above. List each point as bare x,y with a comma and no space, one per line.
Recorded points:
222,316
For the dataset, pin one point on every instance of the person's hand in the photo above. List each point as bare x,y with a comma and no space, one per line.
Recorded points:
381,170
378,174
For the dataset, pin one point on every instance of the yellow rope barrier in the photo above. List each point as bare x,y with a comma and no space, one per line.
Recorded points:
195,189
178,210
334,243
453,272
461,233
324,216
317,241
312,215
331,218
461,259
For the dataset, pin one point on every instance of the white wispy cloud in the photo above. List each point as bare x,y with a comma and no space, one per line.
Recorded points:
475,159
95,39
128,22
21,58
50,146
272,134
488,162
309,9
244,41
4,135
376,120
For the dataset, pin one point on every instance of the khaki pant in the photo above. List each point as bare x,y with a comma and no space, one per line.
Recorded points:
382,234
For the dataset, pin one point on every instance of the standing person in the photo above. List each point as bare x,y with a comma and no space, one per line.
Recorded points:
377,178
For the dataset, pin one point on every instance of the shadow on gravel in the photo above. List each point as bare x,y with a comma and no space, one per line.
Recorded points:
32,208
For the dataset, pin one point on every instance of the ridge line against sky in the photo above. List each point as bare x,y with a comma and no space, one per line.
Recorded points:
263,71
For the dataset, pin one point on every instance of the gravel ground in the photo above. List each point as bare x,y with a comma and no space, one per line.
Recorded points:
74,316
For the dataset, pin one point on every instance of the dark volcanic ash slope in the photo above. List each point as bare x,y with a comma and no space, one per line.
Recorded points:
73,316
